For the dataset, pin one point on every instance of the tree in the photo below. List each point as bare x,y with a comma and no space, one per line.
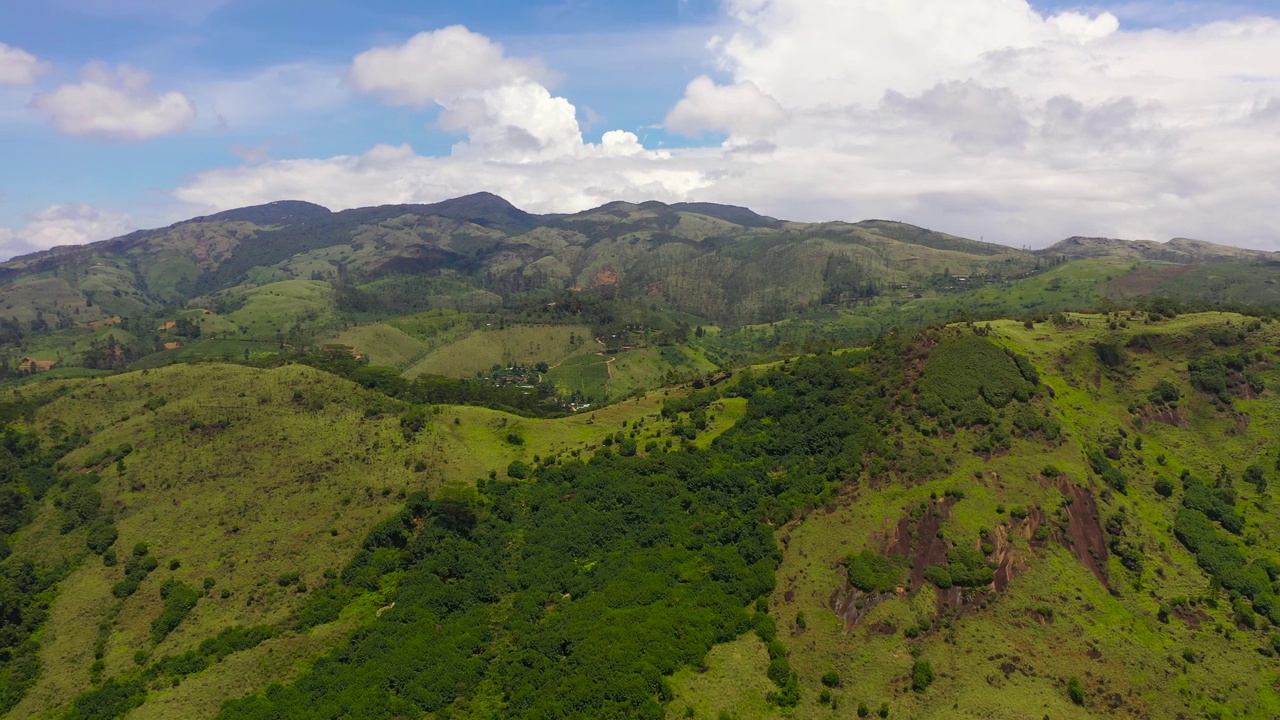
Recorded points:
518,470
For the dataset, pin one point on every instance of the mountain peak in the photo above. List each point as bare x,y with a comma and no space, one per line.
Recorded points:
272,213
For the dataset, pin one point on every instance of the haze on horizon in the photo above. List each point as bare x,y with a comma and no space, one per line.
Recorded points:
1020,123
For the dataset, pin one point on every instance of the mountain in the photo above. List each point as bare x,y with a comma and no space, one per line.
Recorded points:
275,213
641,276
693,256
1010,519
1178,250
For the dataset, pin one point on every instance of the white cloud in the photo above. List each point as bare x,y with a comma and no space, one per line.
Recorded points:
978,117
617,168
115,104
62,225
18,67
741,109
439,66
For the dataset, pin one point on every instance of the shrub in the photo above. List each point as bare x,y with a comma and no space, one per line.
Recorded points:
1164,487
1110,474
938,575
870,572
1164,393
101,537
968,568
518,470
921,676
1109,354
1075,691
831,679
179,601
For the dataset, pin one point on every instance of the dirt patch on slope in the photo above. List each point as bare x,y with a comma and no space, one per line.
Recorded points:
1085,537
918,537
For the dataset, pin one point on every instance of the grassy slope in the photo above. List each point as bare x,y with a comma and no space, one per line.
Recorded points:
382,344
482,349
250,502
1004,661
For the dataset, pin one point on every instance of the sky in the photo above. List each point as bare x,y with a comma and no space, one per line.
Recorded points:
1016,122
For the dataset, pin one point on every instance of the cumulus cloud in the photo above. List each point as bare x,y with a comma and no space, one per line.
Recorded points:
62,225
499,102
18,67
740,109
979,117
438,66
617,168
116,104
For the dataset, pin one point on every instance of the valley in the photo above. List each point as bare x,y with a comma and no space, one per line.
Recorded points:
459,461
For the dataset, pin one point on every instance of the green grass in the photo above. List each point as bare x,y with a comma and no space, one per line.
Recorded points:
277,307
515,345
382,344
586,374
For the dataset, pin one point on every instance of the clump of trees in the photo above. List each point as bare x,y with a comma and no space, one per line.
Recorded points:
603,576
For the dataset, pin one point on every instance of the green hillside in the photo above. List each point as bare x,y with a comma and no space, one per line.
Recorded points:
645,461
1068,518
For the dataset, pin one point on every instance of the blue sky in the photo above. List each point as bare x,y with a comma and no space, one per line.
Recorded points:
266,82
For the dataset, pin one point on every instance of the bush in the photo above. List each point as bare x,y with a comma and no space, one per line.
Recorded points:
1164,393
921,676
1110,474
831,679
1075,691
870,572
179,601
518,470
939,576
1109,354
1164,487
968,568
101,537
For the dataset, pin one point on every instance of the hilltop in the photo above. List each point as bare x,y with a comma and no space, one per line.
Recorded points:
616,299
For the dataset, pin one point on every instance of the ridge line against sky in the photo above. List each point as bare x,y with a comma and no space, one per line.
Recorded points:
1020,123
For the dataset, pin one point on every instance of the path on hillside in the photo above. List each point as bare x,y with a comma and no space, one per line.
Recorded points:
608,364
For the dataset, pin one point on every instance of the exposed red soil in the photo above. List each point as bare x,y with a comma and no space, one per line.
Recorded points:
1166,415
1008,564
1191,616
927,548
606,276
1085,537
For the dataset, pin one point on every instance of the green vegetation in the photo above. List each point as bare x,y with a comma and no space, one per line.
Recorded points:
968,376
587,576
872,573
984,513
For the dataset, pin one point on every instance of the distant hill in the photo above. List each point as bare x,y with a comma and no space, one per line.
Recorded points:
275,213
719,262
291,269
1178,250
